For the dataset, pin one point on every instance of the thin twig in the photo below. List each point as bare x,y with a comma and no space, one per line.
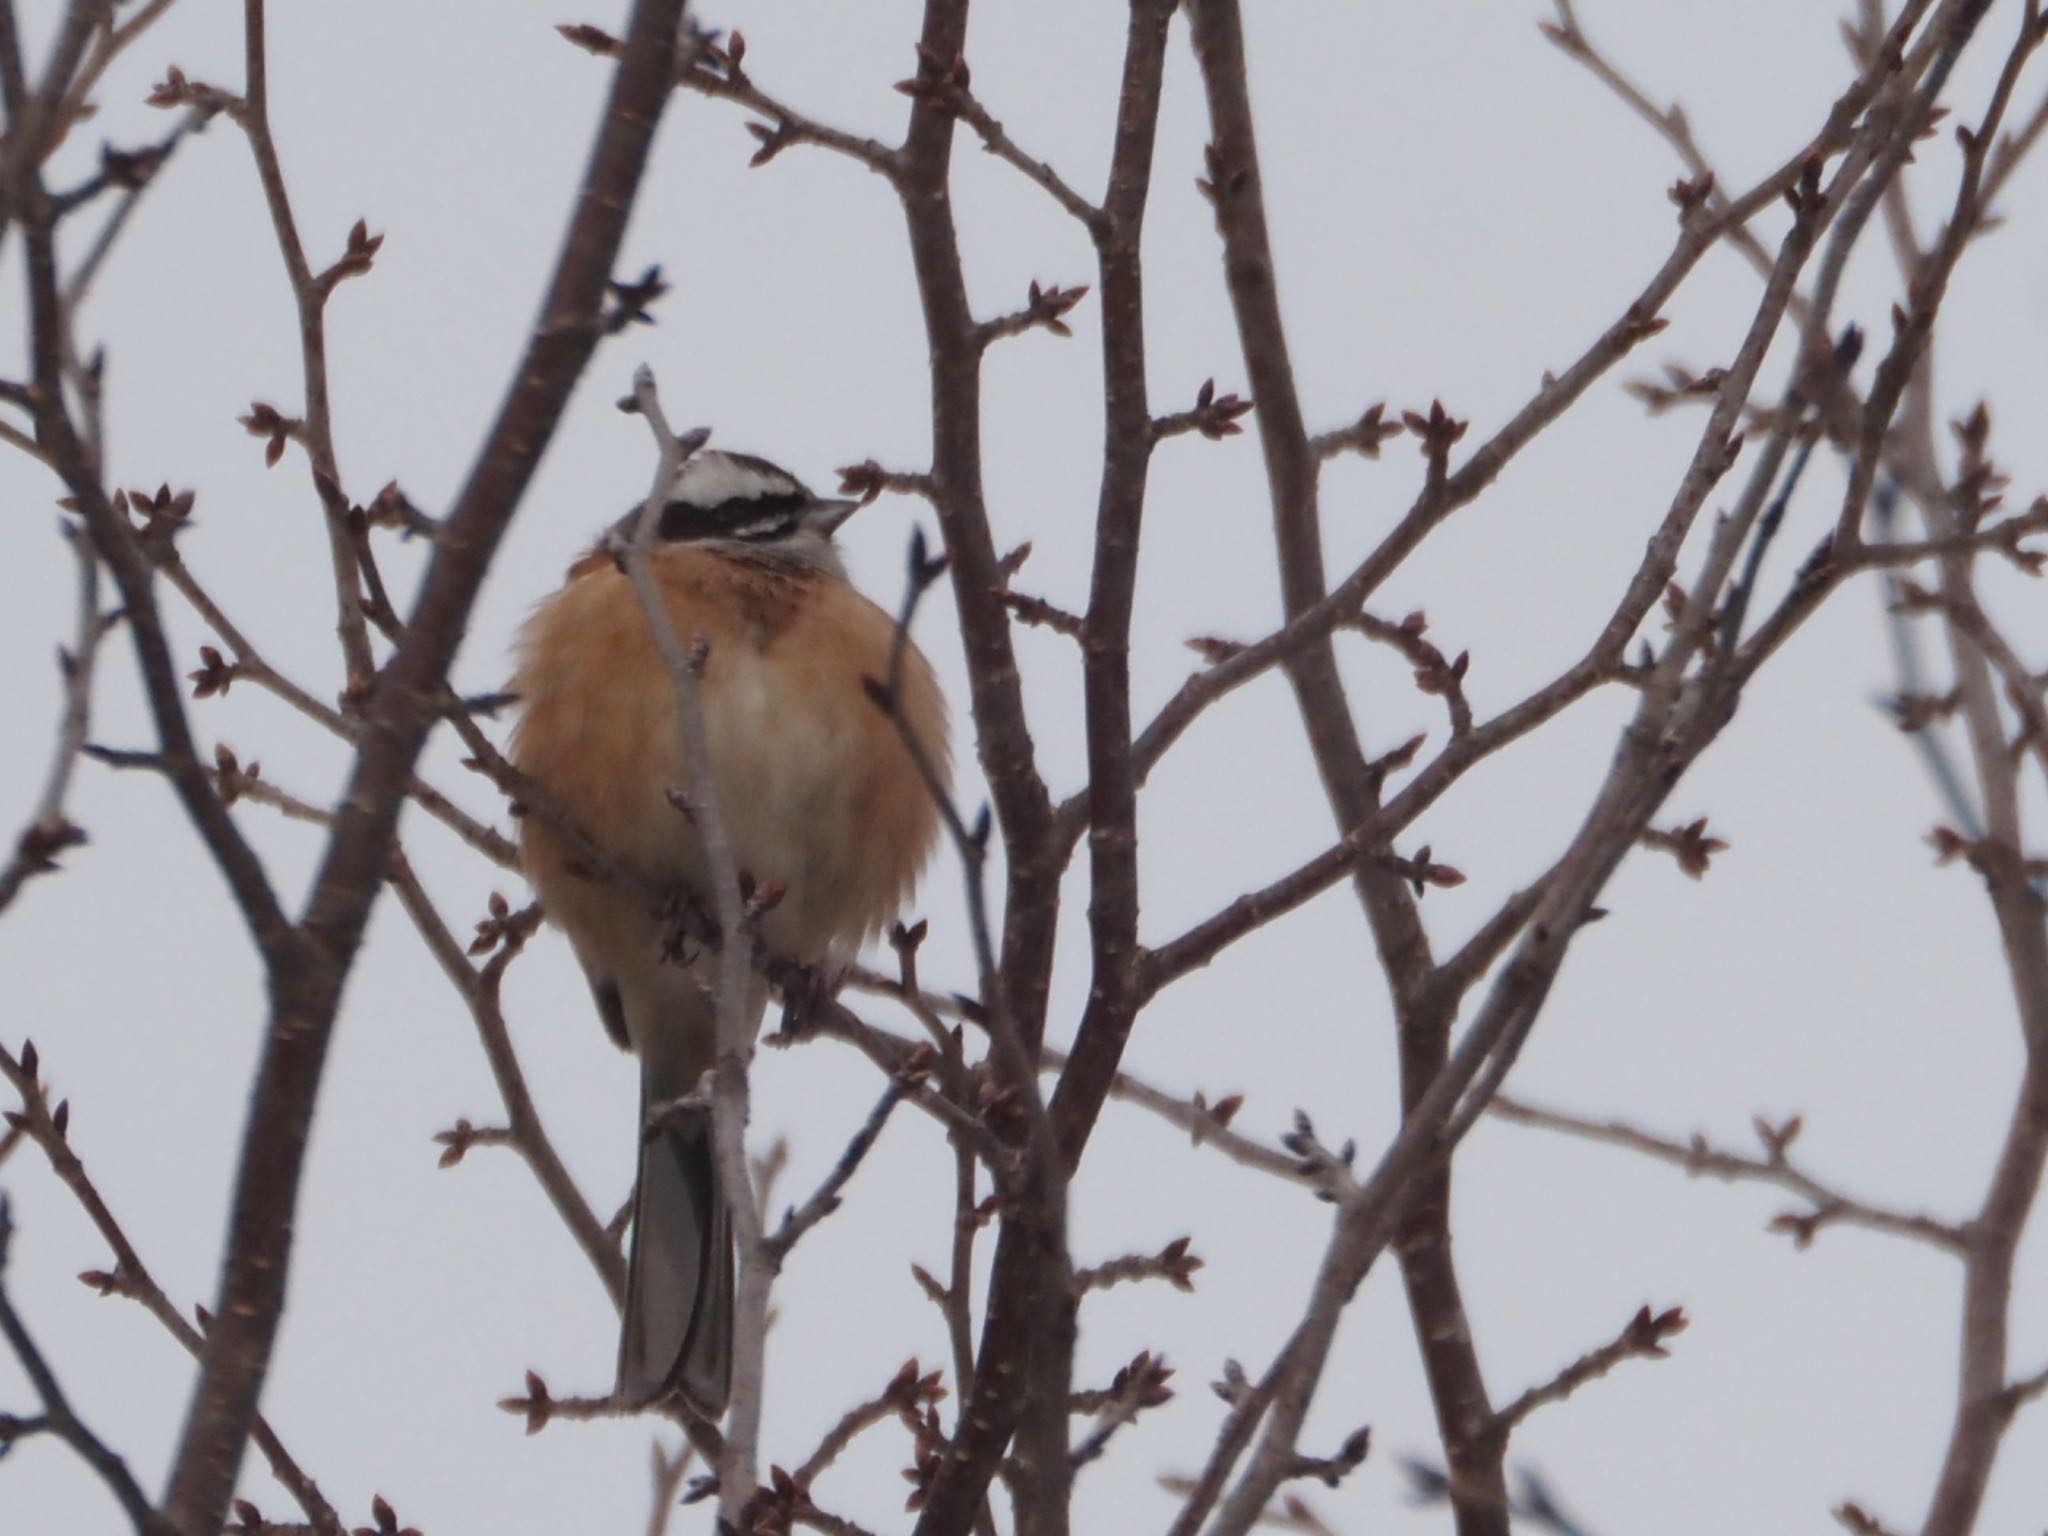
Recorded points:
1642,1338
49,831
479,989
1700,1157
399,711
79,284
908,1393
826,1198
711,70
954,95
250,665
111,44
2026,1390
131,1277
1140,1385
1206,1124
670,1468
1457,1090
59,1418
685,668
310,292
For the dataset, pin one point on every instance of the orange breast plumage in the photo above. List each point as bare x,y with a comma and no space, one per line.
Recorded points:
818,790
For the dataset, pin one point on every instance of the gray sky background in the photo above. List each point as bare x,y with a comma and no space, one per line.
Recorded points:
1456,209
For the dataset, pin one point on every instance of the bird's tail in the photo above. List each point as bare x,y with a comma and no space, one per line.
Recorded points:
677,1334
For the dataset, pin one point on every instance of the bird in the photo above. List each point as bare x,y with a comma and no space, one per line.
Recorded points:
820,792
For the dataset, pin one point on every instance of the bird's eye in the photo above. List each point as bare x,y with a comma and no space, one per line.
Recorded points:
753,518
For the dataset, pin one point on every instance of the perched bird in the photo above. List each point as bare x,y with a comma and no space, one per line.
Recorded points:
819,794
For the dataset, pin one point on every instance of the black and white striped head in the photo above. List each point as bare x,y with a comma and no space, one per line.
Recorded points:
737,500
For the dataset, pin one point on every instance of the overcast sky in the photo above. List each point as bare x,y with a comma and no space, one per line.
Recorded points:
1456,208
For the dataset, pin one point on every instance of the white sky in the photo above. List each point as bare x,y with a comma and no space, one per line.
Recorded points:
1456,208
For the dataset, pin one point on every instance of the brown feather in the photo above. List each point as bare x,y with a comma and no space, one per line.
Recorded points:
818,790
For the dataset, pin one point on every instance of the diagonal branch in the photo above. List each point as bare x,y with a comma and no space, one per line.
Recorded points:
719,72
398,714
58,1417
479,989
49,831
1655,751
131,1277
996,140
120,549
1293,474
737,1477
1642,1338
1699,1157
309,298
251,665
825,1199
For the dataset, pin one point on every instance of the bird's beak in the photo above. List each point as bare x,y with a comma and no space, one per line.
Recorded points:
826,516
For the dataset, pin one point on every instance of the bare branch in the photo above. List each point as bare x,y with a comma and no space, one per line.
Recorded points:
58,1417
540,1407
508,932
1213,416
310,292
826,1198
1642,1339
737,1478
948,88
711,70
49,831
1044,309
1775,1167
909,1393
2026,1390
249,664
669,1471
399,714
1206,1124
1139,1385
1434,674
45,1126
107,46
1174,1264
1855,1518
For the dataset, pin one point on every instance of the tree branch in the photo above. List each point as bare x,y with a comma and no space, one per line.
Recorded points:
398,714
49,831
479,989
58,1417
1698,1156
1642,1338
130,1276
737,1478
309,298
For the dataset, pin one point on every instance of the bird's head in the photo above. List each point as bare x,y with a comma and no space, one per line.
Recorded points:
735,499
